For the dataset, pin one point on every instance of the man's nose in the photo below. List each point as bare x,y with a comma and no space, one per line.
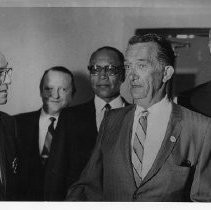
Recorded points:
103,74
55,93
132,75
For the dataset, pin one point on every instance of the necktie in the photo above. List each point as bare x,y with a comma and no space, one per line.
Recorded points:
107,107
48,139
138,147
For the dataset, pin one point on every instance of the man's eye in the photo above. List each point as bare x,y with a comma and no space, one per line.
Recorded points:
64,89
140,65
127,67
47,88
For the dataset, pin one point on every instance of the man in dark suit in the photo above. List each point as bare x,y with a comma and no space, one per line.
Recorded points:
199,98
107,73
43,140
8,150
106,67
154,150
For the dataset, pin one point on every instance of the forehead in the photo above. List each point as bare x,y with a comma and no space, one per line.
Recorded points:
57,78
140,51
106,57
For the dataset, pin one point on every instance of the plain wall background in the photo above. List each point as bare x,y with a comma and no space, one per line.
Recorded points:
34,39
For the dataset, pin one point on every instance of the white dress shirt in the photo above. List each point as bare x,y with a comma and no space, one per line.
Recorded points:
44,123
157,121
100,107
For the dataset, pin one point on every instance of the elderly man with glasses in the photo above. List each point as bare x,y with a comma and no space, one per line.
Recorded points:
8,153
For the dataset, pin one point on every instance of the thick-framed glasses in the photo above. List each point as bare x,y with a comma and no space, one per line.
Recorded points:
4,72
110,70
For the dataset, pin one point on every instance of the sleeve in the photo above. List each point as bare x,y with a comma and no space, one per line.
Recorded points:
201,185
89,187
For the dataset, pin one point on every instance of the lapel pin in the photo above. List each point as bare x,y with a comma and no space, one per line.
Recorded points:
172,139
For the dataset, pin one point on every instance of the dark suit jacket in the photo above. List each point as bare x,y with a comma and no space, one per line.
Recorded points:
197,99
181,171
70,150
9,163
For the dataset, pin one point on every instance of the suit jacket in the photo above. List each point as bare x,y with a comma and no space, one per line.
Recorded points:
197,99
8,158
180,172
71,147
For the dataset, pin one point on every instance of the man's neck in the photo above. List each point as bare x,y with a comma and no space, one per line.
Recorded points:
56,114
146,102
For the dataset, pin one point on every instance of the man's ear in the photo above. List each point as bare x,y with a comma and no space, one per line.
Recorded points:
168,72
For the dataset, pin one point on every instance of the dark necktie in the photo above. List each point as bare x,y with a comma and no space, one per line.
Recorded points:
107,107
138,147
48,139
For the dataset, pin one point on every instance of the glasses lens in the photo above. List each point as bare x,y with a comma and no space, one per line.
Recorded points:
94,70
109,70
112,70
4,72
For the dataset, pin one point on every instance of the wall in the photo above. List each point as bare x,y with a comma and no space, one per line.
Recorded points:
34,39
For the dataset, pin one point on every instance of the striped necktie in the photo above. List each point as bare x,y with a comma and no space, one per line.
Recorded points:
48,139
138,147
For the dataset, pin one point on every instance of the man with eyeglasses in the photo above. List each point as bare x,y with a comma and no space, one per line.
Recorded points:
107,73
8,150
44,144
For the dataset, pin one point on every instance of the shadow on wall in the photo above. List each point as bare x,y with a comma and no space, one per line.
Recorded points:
83,88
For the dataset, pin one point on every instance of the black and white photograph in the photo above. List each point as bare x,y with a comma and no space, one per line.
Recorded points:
105,101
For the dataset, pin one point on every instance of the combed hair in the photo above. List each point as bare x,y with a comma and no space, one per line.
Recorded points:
59,69
165,53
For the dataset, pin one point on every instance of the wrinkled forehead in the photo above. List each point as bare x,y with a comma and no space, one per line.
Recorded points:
106,57
3,61
142,51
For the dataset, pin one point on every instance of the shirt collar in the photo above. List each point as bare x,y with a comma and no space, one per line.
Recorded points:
157,107
100,103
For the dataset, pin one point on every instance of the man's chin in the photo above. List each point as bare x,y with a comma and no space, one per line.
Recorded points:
53,109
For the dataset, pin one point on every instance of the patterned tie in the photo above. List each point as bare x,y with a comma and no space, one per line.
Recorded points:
48,139
138,147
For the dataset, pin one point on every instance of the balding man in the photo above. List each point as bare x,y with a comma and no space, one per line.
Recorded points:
42,140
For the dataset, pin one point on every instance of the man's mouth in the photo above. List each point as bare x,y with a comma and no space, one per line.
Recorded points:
103,85
136,86
53,101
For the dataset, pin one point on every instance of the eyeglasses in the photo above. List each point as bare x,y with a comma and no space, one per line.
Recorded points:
4,72
110,70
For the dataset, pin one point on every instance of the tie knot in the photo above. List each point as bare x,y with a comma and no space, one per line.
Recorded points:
107,107
144,113
52,119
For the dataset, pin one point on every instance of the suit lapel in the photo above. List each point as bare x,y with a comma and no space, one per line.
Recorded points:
35,129
170,139
125,139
